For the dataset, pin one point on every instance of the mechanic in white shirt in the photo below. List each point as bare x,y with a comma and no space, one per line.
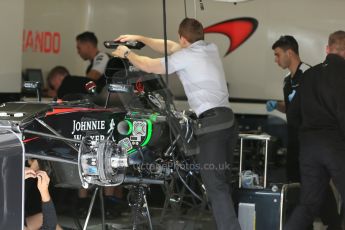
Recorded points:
199,67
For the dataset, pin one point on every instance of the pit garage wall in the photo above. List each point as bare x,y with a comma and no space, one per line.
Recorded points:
50,28
11,26
250,69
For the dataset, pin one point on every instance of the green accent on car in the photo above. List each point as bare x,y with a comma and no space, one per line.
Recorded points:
153,117
131,151
149,133
130,125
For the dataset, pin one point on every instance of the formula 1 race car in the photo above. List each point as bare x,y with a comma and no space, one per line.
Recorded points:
129,133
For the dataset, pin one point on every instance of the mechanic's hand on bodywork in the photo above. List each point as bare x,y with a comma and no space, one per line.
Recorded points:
43,184
120,51
128,37
29,173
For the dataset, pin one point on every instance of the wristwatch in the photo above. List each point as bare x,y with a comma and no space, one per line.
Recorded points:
125,55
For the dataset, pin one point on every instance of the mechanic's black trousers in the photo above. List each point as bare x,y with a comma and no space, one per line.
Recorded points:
322,158
216,149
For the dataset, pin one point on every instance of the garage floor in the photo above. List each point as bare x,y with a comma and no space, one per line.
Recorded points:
194,220
173,218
